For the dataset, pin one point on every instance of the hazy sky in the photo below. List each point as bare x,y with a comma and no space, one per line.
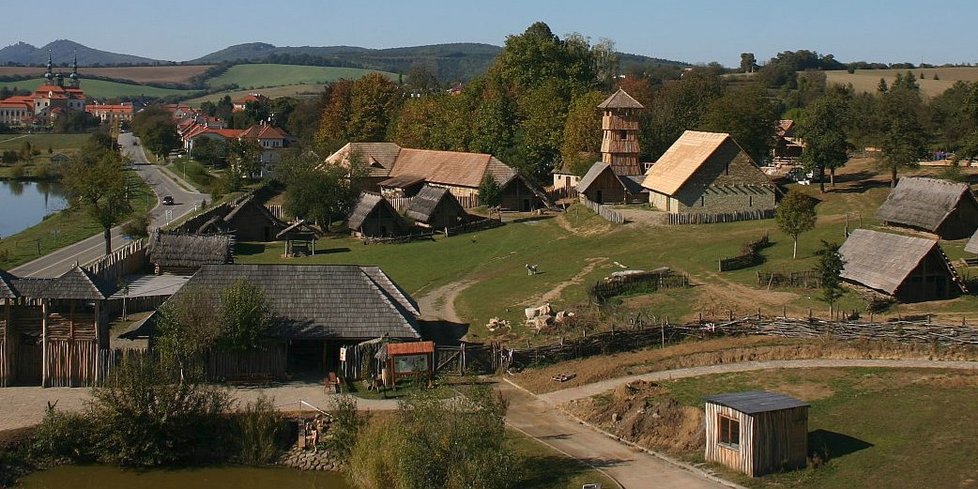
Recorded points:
696,31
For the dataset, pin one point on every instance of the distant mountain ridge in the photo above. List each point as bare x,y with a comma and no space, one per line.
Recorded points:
62,52
449,62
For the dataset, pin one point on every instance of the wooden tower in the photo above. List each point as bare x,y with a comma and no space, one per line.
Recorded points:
619,127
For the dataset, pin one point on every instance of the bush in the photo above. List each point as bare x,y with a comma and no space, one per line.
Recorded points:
346,427
260,432
370,467
137,227
63,437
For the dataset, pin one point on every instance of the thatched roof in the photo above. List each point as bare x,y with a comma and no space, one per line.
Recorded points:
620,100
882,261
402,181
972,246
321,301
250,201
367,203
923,203
681,161
298,228
77,283
7,290
189,250
424,204
379,157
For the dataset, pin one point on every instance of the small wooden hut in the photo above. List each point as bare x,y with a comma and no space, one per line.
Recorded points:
436,207
373,216
251,221
947,209
300,239
602,185
184,254
756,432
909,268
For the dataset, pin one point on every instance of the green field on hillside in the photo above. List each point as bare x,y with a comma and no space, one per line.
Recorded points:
297,91
270,75
104,89
868,80
43,141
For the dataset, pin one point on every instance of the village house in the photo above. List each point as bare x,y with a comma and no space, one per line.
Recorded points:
373,216
908,268
617,178
786,145
247,220
709,173
756,432
111,113
436,207
51,100
53,331
240,104
398,170
316,310
947,209
184,254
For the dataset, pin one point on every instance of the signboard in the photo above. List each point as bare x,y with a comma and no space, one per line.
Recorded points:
410,364
342,353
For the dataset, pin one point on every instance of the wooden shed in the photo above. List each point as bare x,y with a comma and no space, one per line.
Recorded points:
184,254
947,209
757,432
375,217
251,221
909,268
436,207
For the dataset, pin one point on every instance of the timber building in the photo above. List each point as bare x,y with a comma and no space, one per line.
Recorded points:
709,173
909,268
436,207
373,216
757,432
617,178
947,209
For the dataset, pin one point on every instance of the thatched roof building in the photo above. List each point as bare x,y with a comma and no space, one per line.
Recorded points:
947,209
909,268
374,216
436,207
708,173
186,253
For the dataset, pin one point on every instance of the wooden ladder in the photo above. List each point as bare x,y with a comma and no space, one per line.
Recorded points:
954,272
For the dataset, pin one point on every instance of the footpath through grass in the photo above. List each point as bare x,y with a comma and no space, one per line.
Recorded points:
879,427
65,228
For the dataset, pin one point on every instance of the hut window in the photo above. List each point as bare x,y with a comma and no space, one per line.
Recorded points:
729,431
623,135
702,201
750,201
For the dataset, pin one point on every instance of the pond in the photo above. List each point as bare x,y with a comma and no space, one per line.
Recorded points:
24,204
105,477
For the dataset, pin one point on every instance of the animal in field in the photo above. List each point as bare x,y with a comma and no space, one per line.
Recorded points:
531,269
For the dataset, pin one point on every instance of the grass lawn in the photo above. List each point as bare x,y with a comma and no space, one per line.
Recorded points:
880,427
107,89
62,229
193,172
43,141
272,75
301,90
577,248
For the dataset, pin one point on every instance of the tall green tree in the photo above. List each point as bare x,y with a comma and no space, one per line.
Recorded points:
155,128
902,139
374,101
823,129
244,156
749,115
795,215
245,316
189,325
829,269
582,133
334,123
97,183
315,192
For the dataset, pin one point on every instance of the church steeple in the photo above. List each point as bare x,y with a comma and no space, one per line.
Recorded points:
619,128
74,71
47,74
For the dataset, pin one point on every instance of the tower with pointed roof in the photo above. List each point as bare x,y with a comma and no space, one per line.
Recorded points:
47,74
74,71
619,128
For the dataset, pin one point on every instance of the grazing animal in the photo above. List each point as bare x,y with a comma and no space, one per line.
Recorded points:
531,269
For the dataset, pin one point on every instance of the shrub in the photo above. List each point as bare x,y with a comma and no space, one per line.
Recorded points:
260,432
137,227
346,427
373,468
63,437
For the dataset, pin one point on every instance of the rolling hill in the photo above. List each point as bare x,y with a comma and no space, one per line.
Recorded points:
101,89
273,75
62,51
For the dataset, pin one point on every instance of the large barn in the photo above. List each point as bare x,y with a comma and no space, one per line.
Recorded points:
909,268
709,173
399,171
316,310
947,209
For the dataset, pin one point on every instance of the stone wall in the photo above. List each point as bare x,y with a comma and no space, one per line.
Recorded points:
312,459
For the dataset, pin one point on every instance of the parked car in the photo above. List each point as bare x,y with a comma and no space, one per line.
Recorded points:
167,200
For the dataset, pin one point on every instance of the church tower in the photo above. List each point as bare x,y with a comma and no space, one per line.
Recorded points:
619,127
47,74
74,72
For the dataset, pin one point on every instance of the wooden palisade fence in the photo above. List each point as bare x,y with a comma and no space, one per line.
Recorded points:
604,211
644,282
721,217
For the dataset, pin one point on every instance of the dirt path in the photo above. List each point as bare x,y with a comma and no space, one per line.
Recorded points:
581,392
577,279
439,304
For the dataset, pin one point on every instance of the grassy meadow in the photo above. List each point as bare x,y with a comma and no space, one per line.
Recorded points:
879,427
301,90
138,74
105,89
573,250
868,80
271,75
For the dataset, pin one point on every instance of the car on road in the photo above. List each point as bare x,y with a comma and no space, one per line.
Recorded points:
167,200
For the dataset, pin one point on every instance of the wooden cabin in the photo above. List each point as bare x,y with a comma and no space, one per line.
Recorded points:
184,254
300,239
373,216
251,221
709,173
436,207
786,145
757,432
396,171
908,268
53,331
947,209
316,311
603,186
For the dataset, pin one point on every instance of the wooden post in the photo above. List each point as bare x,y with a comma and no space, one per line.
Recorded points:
663,330
44,343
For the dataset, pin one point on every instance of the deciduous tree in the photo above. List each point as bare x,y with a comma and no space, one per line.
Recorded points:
749,115
829,269
823,129
97,183
795,215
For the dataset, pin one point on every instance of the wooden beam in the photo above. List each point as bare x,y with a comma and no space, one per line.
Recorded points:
44,342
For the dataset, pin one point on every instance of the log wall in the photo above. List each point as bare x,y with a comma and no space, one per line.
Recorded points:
738,457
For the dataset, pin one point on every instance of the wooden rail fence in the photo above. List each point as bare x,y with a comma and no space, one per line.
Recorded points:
645,282
604,211
808,279
720,217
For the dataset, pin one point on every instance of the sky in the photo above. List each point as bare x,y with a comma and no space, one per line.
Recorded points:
694,31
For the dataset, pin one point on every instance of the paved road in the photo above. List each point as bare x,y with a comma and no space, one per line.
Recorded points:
60,261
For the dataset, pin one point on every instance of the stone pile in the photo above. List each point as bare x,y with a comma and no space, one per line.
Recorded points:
311,459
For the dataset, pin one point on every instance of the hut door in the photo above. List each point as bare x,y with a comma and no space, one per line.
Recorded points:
940,287
526,205
29,360
600,197
567,182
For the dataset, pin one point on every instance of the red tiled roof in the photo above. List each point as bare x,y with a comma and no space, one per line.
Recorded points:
263,131
411,348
